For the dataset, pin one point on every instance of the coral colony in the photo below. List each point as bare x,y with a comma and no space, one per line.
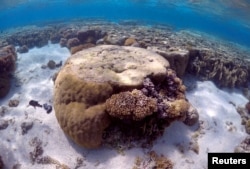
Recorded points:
108,90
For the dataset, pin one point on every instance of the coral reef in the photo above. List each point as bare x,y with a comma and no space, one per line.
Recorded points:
7,65
31,37
245,117
211,65
110,90
84,84
73,42
3,124
7,59
90,36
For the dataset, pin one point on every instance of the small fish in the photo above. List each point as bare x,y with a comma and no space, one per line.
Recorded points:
34,103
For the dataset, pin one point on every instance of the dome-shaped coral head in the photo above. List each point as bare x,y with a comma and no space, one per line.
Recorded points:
131,105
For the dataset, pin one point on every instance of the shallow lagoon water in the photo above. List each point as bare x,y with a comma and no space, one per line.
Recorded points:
220,26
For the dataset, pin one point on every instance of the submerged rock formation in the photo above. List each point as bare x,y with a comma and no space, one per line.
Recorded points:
7,65
102,86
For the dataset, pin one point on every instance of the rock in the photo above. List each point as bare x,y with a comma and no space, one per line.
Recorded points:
51,64
63,42
84,84
3,110
178,58
13,103
26,126
192,116
3,124
23,49
73,42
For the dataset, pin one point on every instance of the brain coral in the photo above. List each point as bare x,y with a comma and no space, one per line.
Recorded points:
90,77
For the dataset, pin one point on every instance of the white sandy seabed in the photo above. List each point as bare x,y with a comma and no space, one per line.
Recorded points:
220,124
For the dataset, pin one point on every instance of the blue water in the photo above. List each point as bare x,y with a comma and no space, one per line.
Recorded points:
227,19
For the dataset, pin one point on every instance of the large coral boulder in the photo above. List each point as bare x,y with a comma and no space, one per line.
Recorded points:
106,85
90,77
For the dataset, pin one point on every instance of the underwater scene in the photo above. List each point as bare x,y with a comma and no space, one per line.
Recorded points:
123,84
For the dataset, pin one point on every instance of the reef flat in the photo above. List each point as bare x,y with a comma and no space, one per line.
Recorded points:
225,63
